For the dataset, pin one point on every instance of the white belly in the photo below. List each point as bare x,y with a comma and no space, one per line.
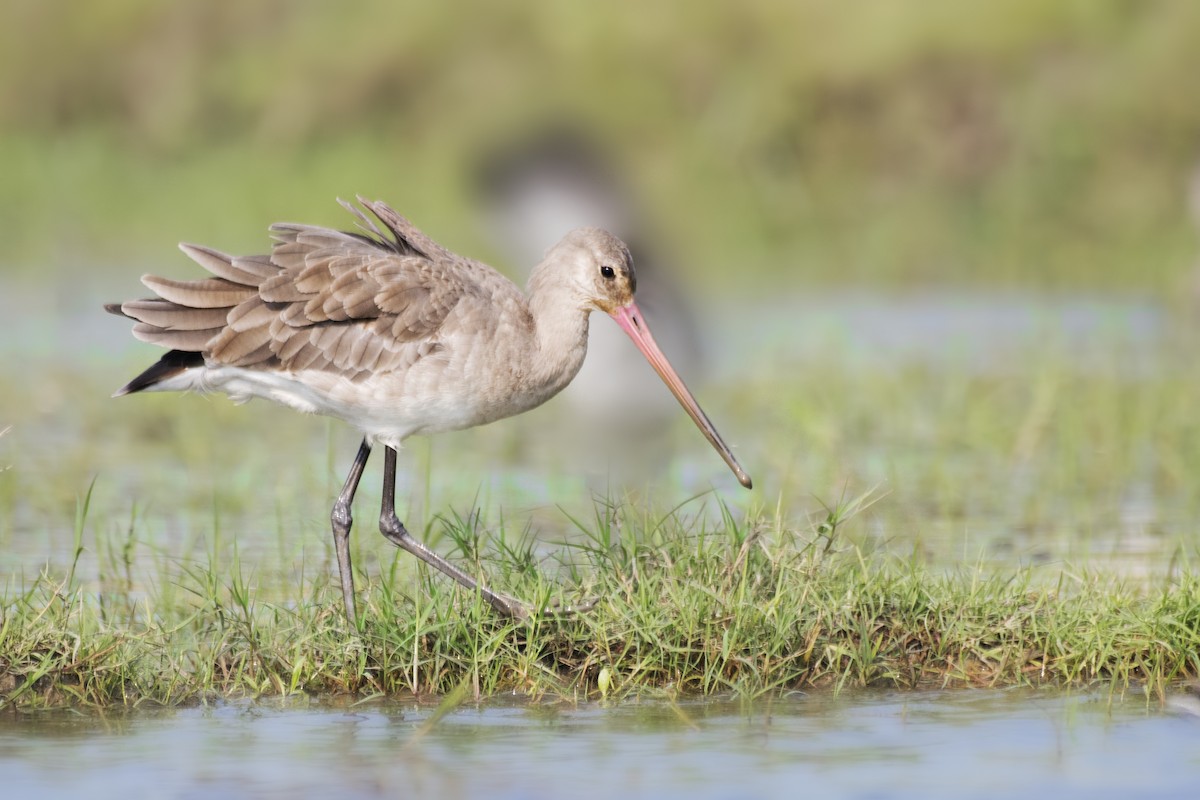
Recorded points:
386,409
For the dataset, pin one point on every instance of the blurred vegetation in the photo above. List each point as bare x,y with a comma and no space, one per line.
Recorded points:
1028,142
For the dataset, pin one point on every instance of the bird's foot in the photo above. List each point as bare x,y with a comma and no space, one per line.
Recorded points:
521,611
556,609
506,606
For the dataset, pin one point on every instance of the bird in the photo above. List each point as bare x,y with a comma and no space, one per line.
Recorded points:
387,330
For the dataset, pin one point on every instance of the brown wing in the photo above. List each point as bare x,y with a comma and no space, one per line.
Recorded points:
323,299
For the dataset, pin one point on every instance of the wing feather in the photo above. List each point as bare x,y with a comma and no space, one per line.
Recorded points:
171,317
206,293
350,302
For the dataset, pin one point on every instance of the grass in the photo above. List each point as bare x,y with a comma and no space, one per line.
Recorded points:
743,604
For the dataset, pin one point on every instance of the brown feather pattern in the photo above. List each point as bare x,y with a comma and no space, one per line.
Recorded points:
350,302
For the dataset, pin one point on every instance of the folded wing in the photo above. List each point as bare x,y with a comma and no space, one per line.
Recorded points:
351,302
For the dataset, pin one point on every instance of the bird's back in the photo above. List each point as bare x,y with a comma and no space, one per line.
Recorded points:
382,327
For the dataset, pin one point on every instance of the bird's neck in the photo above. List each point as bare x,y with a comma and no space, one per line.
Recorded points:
560,327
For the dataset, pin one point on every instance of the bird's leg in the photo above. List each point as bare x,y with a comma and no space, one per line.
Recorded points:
395,532
342,520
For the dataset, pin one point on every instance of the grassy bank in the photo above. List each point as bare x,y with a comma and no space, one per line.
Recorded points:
743,605
1034,522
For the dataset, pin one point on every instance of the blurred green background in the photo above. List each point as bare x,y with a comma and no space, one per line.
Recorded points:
1035,143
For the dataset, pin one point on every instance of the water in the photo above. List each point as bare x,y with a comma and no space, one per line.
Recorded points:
980,331
977,744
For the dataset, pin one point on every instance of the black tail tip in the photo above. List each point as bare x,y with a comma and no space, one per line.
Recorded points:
171,364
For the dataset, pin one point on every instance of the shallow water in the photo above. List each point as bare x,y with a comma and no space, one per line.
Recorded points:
976,744
974,331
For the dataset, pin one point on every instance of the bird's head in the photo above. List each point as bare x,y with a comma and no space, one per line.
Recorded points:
598,268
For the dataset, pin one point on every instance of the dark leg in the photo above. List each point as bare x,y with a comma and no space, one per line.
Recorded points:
395,532
342,520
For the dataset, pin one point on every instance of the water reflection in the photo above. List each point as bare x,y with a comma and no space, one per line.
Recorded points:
926,745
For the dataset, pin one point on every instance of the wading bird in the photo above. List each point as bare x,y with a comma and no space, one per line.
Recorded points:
388,330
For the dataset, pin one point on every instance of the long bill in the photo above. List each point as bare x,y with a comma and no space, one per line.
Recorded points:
631,321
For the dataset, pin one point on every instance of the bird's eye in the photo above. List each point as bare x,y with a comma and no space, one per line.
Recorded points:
608,272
